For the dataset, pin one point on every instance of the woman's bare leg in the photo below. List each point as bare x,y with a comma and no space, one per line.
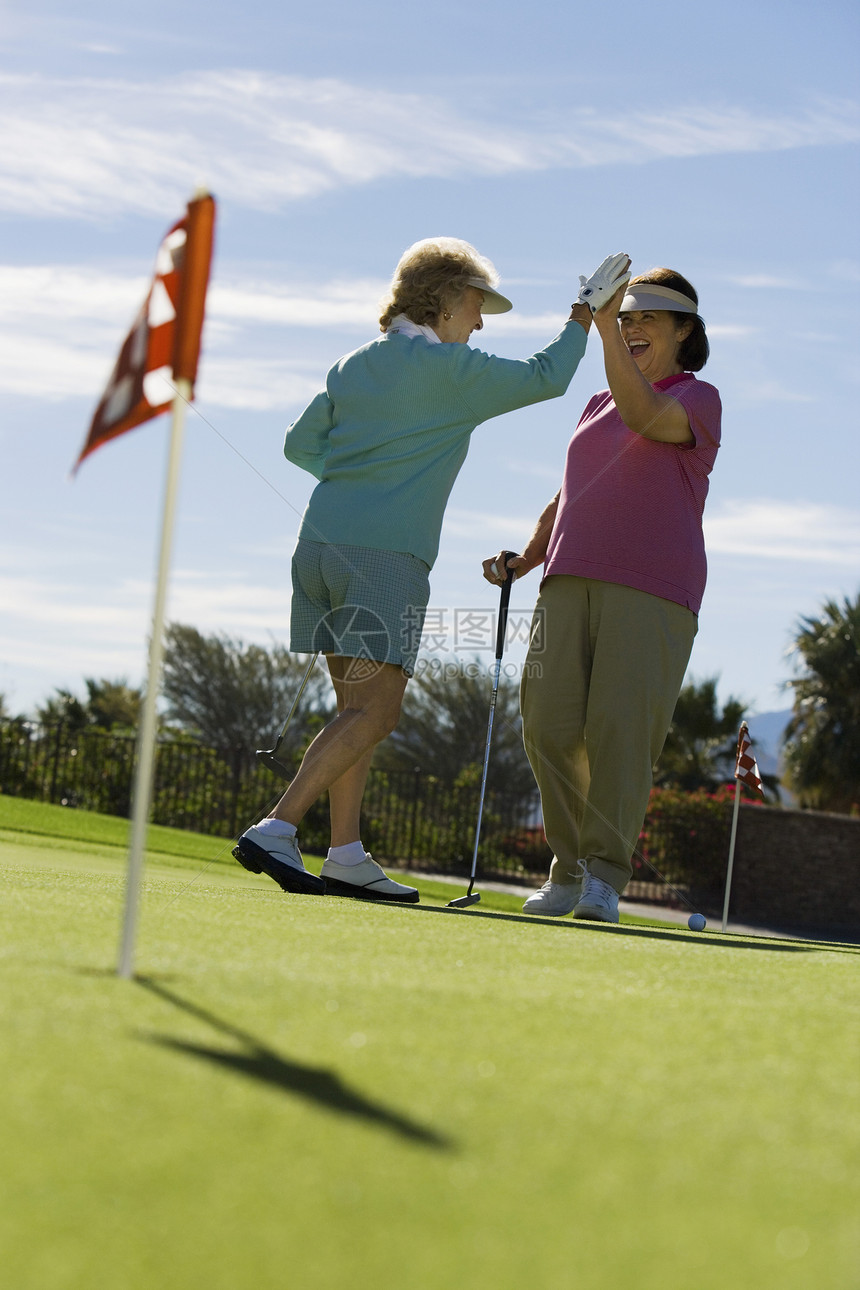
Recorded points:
346,794
339,758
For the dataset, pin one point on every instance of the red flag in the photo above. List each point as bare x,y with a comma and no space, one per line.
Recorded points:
164,343
745,765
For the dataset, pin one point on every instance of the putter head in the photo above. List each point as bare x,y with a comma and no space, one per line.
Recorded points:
463,901
268,759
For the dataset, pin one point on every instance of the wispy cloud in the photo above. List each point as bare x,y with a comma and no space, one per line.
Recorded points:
68,629
259,385
94,47
769,529
61,328
90,147
346,303
768,281
475,525
76,293
731,331
767,391
760,528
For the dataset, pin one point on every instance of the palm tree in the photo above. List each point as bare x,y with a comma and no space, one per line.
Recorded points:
109,705
234,696
822,739
443,730
63,708
112,705
702,742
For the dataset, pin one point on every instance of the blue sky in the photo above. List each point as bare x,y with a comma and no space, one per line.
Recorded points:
722,142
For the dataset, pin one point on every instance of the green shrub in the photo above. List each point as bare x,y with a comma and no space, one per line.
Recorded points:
685,839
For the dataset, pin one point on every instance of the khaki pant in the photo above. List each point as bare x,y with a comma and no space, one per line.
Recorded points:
602,676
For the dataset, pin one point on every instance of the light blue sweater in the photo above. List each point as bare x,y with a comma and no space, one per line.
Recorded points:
390,431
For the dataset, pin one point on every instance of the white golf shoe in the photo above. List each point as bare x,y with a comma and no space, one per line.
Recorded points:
280,858
599,900
554,899
365,881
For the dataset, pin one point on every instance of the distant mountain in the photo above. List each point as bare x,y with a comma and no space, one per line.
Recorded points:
766,730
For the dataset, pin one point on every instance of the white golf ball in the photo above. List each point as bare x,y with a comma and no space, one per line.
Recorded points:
697,922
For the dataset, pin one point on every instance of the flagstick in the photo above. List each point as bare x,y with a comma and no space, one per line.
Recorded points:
731,853
145,769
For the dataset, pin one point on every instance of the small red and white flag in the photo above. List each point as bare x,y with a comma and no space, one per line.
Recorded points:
746,769
163,345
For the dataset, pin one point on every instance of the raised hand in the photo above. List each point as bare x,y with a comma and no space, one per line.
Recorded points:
612,274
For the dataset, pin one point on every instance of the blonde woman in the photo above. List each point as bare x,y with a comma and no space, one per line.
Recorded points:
386,438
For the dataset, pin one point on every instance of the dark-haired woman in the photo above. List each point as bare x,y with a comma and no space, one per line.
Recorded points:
624,574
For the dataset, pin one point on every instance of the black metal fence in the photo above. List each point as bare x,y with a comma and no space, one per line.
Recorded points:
410,818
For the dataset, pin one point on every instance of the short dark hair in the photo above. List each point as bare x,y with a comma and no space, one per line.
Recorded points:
694,350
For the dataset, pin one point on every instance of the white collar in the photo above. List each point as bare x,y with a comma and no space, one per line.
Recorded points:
406,327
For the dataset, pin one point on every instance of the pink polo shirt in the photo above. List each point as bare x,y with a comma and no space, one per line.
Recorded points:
630,509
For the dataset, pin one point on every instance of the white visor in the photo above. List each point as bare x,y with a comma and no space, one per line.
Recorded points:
647,295
494,301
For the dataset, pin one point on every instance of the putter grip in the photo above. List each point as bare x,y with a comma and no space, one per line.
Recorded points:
505,601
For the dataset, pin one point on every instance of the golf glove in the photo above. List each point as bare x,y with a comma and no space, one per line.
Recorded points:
604,282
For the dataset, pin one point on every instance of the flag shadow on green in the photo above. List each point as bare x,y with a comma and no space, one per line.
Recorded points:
261,1063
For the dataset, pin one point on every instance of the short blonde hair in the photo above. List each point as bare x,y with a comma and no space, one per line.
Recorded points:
430,277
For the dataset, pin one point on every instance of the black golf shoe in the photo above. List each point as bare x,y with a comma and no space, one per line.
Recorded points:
281,859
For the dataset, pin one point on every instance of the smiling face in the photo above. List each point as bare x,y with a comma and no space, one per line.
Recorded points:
654,337
465,318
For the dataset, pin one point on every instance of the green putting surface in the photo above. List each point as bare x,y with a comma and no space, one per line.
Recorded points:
315,1093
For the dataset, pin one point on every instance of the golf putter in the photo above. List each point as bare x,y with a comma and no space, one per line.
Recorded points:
269,756
472,898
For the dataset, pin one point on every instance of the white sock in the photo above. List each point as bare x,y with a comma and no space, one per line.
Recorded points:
276,828
352,853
